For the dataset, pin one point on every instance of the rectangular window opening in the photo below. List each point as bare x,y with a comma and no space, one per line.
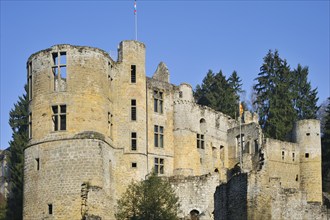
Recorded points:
200,141
158,101
159,136
133,141
37,164
159,165
50,209
59,117
293,157
133,74
30,79
134,165
30,125
306,155
282,155
308,134
133,110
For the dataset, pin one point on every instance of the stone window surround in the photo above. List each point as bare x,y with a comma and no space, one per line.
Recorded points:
159,165
158,136
200,141
59,117
133,141
158,101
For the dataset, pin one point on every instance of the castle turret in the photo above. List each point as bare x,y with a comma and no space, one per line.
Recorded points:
307,135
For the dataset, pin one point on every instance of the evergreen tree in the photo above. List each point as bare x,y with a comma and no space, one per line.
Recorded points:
217,93
151,199
326,151
305,100
274,95
235,82
283,96
18,122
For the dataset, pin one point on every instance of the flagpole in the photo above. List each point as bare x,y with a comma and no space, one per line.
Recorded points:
135,16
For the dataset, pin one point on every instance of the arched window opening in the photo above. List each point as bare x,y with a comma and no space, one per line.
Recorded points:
194,214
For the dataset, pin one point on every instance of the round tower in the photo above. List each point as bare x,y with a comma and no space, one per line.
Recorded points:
307,136
68,160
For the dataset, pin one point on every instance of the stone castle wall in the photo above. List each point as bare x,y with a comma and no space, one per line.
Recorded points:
86,111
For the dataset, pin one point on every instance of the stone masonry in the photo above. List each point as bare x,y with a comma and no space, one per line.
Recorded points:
96,125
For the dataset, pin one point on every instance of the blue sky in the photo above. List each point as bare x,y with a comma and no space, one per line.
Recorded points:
191,37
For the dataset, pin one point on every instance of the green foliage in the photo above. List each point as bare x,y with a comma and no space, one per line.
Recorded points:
18,121
151,199
3,207
326,151
219,93
283,96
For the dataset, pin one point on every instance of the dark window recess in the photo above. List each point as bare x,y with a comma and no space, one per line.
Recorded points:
293,156
134,165
180,94
158,101
59,117
159,165
37,163
282,155
133,110
307,155
200,141
308,134
133,74
133,141
30,125
30,79
50,209
59,69
297,177
159,136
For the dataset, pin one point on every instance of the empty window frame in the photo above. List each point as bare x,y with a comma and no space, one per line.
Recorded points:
133,109
200,141
133,74
158,101
159,165
30,125
59,117
50,209
59,66
110,125
37,164
30,80
133,141
159,136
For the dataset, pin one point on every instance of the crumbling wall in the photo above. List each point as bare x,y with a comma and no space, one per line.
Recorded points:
195,193
231,199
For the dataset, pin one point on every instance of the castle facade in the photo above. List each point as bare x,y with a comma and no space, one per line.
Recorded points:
96,124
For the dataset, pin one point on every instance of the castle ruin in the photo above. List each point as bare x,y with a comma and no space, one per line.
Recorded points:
96,124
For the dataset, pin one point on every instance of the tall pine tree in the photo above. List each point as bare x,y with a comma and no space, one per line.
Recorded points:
217,93
18,122
283,96
305,98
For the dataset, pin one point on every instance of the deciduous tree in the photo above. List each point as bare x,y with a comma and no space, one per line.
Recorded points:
151,199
